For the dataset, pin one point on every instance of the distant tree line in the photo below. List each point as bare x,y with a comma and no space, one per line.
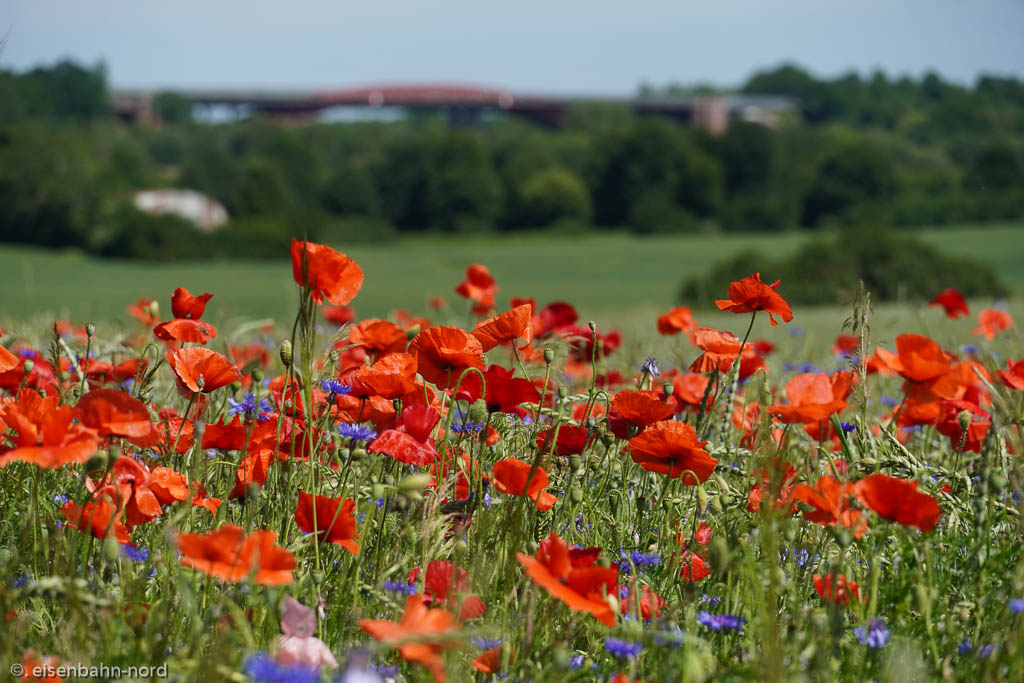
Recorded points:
871,151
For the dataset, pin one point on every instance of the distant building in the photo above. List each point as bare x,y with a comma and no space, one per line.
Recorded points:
205,212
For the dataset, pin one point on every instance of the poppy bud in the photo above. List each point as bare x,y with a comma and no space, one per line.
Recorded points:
843,537
110,549
358,453
378,490
718,553
97,463
257,375
669,388
154,309
963,418
561,657
414,483
461,546
318,577
998,482
252,492
478,411
575,462
286,353
702,499
236,387
562,392
344,453
200,382
549,356
592,325
532,546
29,365
668,504
389,480
412,331
576,494
333,355
716,504
613,602
90,330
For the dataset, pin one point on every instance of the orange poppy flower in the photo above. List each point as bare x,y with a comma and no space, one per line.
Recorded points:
379,337
252,471
99,517
30,664
952,302
488,662
750,295
673,448
143,311
839,591
510,478
185,305
572,577
392,376
447,584
45,435
332,518
637,409
898,500
774,483
917,358
831,502
506,327
328,273
141,491
688,390
845,344
648,602
339,315
814,397
115,413
436,627
443,353
991,322
677,320
230,555
183,330
479,287
8,361
191,363
1013,376
720,350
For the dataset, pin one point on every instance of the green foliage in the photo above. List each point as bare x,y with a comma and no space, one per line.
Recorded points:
172,108
825,272
555,194
138,235
261,190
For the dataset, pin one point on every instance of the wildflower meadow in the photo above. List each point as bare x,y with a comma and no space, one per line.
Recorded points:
494,493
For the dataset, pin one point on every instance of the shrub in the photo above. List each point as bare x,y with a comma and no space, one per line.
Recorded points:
552,195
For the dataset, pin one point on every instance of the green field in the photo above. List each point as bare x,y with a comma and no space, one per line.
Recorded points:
615,279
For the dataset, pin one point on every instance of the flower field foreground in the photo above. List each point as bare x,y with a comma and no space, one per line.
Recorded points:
500,497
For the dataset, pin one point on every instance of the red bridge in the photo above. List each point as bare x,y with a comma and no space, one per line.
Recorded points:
463,104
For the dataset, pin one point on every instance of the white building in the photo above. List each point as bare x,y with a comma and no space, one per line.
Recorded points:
205,212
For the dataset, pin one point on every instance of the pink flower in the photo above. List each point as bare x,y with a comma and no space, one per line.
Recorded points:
298,645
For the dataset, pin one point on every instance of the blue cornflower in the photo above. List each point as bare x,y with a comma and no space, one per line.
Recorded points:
27,353
623,592
263,668
249,409
889,401
875,635
721,622
22,580
576,662
969,350
334,387
135,554
640,559
385,671
622,648
847,427
710,599
466,428
60,499
794,330
808,367
650,367
351,430
673,637
399,587
1017,605
485,643
966,648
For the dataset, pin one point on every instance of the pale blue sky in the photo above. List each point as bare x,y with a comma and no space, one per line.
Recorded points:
598,46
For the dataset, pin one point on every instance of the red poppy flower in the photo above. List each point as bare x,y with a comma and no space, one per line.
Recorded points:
917,358
479,287
328,273
510,478
141,491
447,585
648,602
571,439
186,331
1013,376
99,517
814,397
252,471
143,311
504,392
633,411
443,353
720,350
898,500
410,441
8,361
688,390
230,555
839,593
44,433
952,301
339,315
436,628
991,322
392,376
673,448
581,342
332,518
677,320
831,502
750,295
379,337
489,662
191,363
184,305
555,316
30,663
694,567
572,577
506,327
774,483
115,413
846,344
